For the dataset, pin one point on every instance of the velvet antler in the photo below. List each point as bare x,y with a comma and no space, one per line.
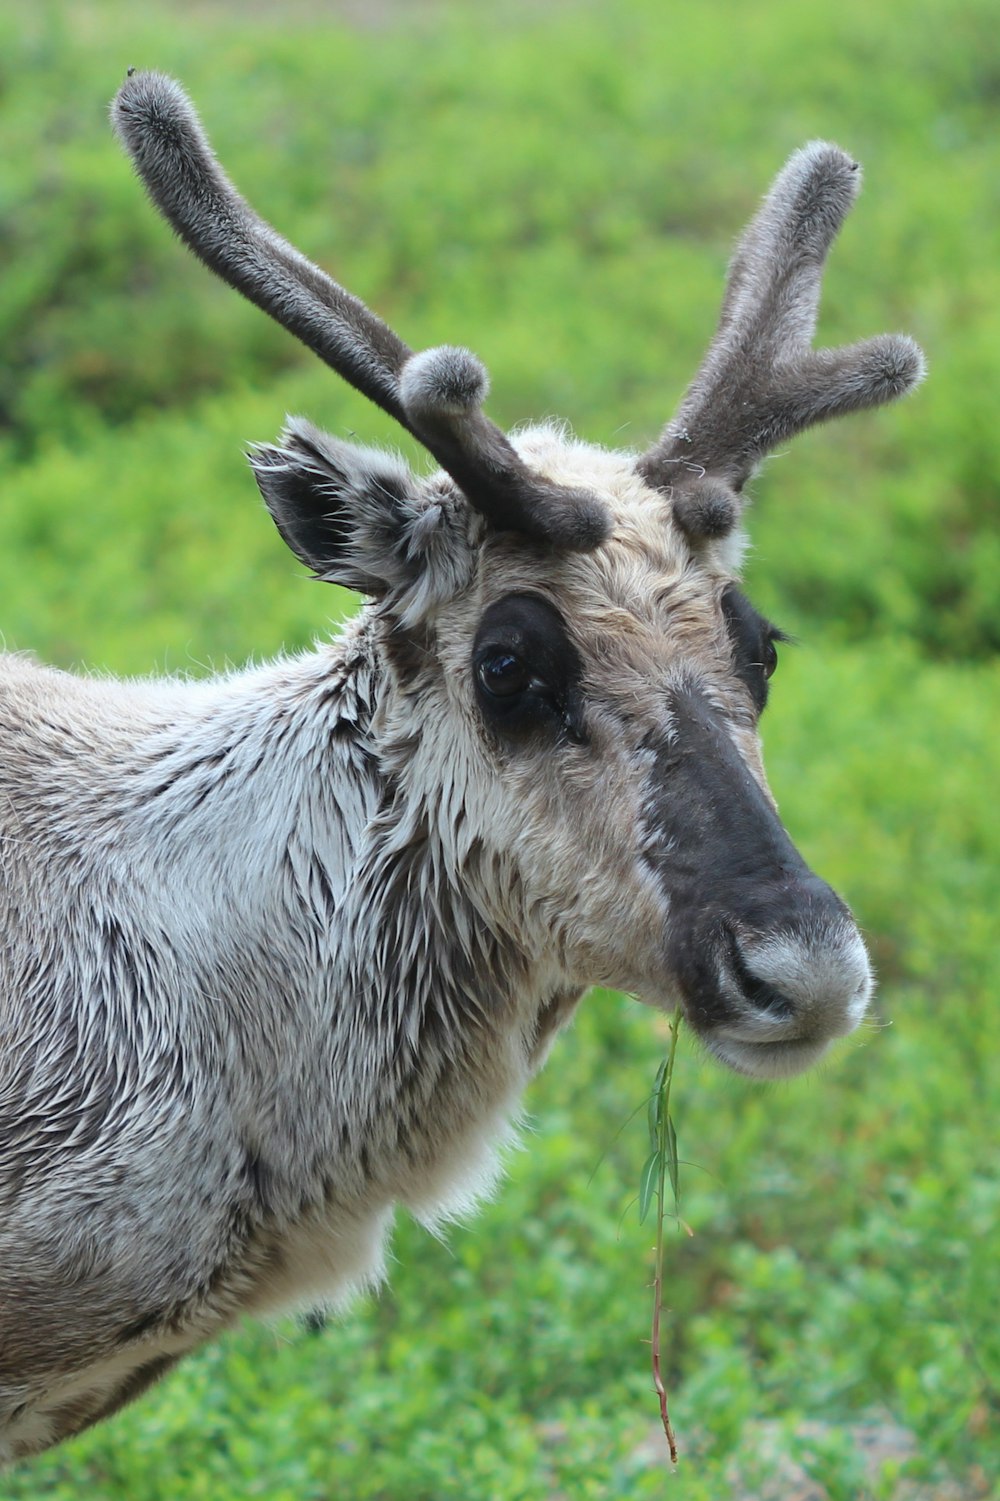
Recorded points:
761,381
436,395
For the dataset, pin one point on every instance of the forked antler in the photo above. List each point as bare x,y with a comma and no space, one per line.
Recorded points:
761,381
436,395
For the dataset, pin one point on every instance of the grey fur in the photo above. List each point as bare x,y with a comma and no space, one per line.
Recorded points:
761,382
160,129
448,381
279,950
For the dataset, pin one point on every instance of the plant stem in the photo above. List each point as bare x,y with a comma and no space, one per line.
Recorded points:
666,1147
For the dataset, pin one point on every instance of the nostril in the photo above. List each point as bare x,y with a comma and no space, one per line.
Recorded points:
805,983
768,999
761,994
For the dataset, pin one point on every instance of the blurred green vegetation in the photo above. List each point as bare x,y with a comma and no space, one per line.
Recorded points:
559,185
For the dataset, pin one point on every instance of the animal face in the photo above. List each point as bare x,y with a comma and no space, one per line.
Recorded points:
580,728
576,678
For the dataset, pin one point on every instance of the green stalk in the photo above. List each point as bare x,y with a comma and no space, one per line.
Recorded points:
662,1162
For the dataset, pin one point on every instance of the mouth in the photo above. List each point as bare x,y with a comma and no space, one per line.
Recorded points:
772,1011
773,1033
766,1060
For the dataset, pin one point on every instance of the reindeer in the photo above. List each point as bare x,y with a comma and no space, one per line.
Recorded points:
280,950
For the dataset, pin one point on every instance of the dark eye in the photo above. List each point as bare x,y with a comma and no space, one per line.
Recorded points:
770,658
503,674
526,673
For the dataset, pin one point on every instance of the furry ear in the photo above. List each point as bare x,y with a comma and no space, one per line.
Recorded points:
353,515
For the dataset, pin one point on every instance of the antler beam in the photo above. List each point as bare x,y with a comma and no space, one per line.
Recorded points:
436,395
761,381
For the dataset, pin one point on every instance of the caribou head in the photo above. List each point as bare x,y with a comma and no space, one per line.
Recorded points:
574,676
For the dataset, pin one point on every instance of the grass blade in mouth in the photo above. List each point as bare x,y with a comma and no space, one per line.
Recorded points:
660,1165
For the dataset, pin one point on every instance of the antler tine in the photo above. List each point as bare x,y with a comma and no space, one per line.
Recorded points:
435,395
159,128
761,382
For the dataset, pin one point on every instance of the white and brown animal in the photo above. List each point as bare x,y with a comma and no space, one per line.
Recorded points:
279,950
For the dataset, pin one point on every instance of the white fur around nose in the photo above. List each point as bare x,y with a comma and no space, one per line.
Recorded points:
826,977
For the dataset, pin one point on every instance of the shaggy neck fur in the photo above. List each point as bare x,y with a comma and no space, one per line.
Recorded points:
269,1011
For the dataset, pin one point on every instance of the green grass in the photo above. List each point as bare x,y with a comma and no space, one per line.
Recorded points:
558,186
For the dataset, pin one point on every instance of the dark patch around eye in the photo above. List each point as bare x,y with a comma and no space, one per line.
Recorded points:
522,639
753,641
